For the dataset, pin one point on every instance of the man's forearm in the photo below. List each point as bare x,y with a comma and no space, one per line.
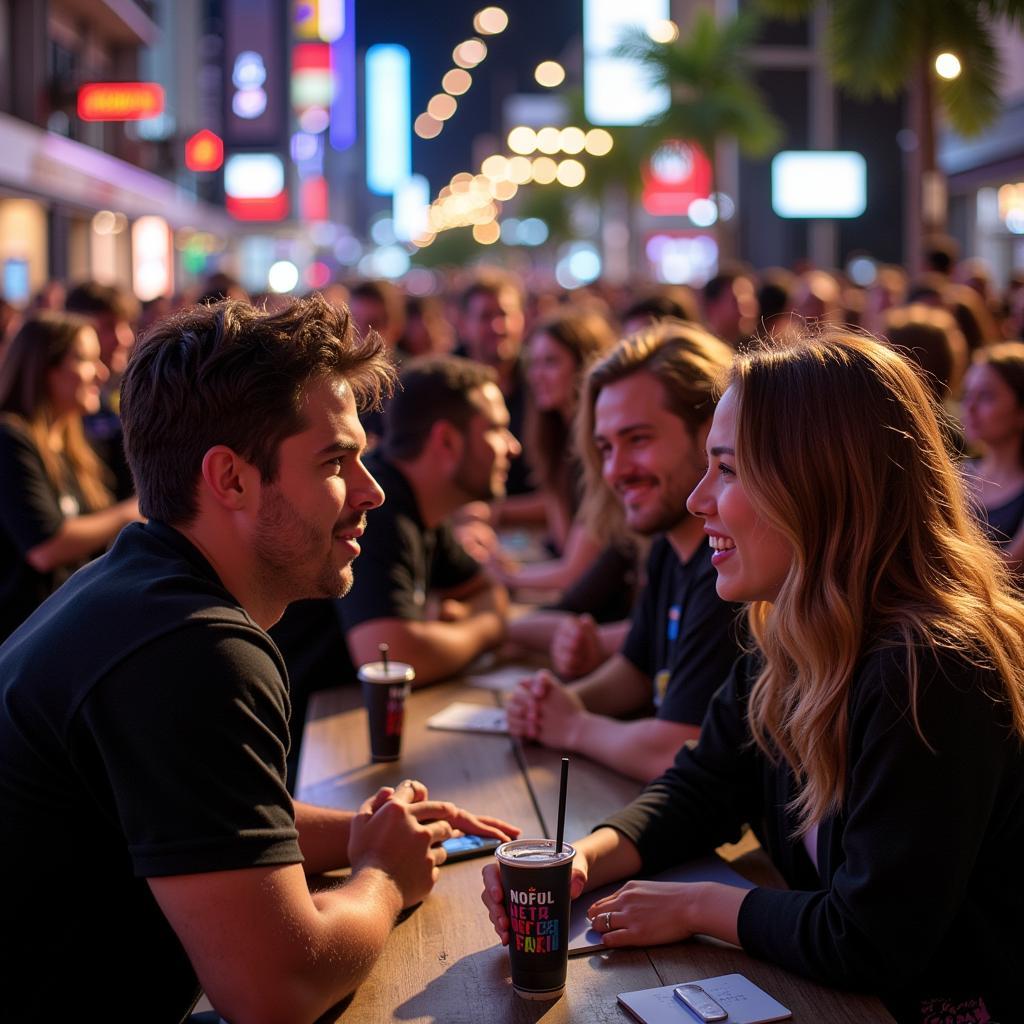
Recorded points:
323,837
641,749
616,688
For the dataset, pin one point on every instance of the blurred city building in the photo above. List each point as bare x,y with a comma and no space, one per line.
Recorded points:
86,192
294,143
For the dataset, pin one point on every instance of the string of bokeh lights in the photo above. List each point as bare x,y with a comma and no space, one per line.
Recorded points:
475,200
490,21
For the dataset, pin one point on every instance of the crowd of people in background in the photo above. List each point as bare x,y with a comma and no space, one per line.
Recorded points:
70,489
588,419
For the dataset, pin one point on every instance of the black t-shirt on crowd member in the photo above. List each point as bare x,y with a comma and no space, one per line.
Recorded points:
401,562
32,510
683,636
143,733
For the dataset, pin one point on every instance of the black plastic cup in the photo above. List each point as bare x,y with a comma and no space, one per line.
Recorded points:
536,879
385,687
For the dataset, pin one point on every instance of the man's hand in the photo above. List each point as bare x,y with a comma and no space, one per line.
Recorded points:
399,831
479,539
388,836
542,709
576,647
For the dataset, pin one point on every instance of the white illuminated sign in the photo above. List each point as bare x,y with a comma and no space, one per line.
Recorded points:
826,184
388,118
412,199
616,90
253,175
152,274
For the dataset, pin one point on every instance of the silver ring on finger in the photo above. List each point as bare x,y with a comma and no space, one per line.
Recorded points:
607,915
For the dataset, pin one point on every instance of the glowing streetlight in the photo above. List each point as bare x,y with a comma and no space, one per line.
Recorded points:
947,65
663,31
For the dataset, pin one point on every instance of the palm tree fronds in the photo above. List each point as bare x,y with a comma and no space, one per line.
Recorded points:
1011,10
872,44
711,91
971,101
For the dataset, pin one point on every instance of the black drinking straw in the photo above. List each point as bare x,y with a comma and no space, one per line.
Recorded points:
383,648
559,844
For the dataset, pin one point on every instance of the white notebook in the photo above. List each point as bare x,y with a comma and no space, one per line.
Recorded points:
744,1001
462,716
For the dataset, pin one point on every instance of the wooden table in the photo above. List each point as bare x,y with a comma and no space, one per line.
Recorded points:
443,965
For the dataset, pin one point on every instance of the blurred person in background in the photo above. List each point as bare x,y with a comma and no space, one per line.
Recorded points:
730,307
887,290
52,295
9,320
775,299
817,298
676,302
378,305
930,338
112,313
56,511
558,353
427,330
491,330
993,419
220,286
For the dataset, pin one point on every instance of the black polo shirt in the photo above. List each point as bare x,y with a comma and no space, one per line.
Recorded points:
143,730
683,636
402,560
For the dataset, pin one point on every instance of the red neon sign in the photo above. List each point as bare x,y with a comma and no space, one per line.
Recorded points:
269,208
314,199
120,101
204,151
676,174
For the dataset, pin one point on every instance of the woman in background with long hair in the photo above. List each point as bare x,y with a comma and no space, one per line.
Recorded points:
993,417
56,510
873,735
558,353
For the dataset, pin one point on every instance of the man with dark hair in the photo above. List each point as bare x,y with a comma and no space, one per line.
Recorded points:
491,329
940,254
144,709
446,442
674,302
112,313
379,306
644,417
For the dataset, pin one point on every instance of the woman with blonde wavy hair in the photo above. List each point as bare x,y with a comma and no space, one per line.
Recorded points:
873,735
